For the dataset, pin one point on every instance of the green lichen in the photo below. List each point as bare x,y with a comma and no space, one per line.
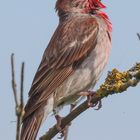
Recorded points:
114,83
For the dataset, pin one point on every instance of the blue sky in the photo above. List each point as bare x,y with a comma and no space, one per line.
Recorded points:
26,28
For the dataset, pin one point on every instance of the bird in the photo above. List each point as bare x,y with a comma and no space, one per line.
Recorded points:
72,63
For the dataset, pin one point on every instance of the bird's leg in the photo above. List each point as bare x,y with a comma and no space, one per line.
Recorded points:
90,95
58,126
59,120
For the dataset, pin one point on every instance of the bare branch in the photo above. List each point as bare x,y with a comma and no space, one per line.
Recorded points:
66,132
138,35
14,86
116,82
19,103
22,87
68,126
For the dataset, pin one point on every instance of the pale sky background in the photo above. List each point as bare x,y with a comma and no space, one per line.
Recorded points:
26,27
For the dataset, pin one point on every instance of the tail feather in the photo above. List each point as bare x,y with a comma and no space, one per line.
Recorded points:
31,126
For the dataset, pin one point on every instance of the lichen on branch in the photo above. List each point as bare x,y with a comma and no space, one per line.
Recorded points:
118,82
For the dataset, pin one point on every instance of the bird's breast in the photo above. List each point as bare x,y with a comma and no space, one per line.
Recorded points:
88,73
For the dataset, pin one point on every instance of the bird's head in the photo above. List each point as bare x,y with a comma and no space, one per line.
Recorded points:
84,6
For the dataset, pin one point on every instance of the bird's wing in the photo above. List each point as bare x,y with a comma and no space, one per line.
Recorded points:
70,45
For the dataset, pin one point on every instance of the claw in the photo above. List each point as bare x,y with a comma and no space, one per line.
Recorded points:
61,135
99,105
90,95
89,98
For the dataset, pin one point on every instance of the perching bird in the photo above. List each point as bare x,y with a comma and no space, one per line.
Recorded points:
72,62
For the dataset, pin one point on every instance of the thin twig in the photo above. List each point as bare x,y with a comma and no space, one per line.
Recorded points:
138,35
68,126
19,103
66,132
22,86
14,86
18,129
21,106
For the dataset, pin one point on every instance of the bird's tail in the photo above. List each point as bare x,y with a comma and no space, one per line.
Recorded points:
31,125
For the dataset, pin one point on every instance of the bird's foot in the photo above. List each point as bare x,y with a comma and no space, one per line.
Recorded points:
90,95
59,127
59,120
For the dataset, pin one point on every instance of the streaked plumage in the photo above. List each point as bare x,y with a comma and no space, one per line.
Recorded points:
72,62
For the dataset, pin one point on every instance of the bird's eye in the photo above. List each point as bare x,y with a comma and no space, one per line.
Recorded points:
93,12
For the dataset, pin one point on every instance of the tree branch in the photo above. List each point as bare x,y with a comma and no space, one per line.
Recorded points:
138,35
19,103
22,89
116,82
68,126
14,86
